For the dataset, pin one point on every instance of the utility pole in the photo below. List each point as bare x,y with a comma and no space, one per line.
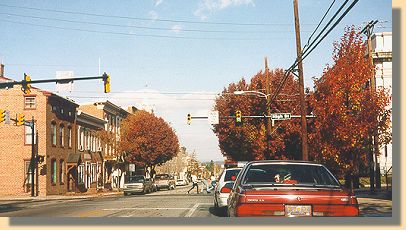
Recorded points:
268,109
33,158
368,32
305,155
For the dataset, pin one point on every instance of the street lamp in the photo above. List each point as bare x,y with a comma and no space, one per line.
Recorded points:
259,94
268,113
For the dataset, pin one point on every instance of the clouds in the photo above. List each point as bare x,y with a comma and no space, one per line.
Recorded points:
207,7
173,108
157,2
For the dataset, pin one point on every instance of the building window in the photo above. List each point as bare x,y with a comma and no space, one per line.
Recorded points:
61,135
61,171
30,102
81,174
27,172
53,172
53,133
28,135
70,137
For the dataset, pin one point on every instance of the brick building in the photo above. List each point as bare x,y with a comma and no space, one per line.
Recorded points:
85,164
113,161
55,124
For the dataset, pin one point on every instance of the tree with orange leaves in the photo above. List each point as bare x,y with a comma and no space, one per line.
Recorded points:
148,140
248,141
346,109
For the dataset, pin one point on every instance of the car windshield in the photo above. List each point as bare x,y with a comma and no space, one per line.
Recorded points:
162,177
136,179
289,174
230,173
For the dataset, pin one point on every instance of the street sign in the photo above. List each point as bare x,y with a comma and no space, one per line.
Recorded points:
131,167
66,86
280,116
213,117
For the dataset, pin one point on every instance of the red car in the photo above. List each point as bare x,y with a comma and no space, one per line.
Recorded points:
289,188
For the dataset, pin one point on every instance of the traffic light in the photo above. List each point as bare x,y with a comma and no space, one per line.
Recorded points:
189,118
238,116
20,119
26,86
2,115
106,79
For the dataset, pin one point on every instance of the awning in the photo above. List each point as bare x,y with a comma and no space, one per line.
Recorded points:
73,158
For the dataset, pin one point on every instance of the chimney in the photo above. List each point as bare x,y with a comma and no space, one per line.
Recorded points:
1,70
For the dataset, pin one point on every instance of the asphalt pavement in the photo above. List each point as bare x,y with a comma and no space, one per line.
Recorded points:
163,203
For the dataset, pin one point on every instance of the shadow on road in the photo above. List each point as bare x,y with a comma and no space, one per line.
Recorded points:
4,208
219,212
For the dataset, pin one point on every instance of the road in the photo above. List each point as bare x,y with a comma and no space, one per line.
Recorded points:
173,203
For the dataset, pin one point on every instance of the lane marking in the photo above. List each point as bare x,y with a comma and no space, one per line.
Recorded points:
194,208
122,209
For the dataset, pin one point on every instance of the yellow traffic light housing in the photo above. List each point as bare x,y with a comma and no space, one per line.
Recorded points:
26,84
238,116
2,115
106,79
20,119
189,119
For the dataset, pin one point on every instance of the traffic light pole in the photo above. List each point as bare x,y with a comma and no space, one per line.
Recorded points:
33,158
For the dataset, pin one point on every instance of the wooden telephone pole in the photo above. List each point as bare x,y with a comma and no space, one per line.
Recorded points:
305,155
268,110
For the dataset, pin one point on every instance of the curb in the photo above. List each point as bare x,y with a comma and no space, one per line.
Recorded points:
47,198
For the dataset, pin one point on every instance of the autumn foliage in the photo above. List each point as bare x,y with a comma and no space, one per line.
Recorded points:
346,109
147,140
248,141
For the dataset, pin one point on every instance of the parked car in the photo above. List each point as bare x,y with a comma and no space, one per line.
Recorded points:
165,181
181,182
289,188
138,184
223,187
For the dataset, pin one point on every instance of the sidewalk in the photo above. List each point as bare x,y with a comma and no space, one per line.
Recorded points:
378,194
58,197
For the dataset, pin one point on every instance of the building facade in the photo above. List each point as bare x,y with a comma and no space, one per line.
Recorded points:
55,126
113,160
85,165
382,57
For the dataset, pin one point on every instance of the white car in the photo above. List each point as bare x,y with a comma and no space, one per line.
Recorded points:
224,186
181,182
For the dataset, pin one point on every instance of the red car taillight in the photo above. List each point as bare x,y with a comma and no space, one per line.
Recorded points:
260,210
225,190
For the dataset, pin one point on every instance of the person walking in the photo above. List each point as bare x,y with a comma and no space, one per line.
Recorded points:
194,184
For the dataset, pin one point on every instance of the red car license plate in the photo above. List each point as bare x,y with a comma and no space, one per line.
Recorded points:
298,210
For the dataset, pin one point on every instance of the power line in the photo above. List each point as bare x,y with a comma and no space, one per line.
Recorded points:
313,45
135,35
325,14
139,27
142,19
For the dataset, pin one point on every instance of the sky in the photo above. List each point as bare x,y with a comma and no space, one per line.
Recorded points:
174,56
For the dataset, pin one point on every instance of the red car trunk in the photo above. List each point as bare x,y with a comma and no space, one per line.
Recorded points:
296,201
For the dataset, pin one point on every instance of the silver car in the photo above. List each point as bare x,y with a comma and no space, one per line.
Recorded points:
138,184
